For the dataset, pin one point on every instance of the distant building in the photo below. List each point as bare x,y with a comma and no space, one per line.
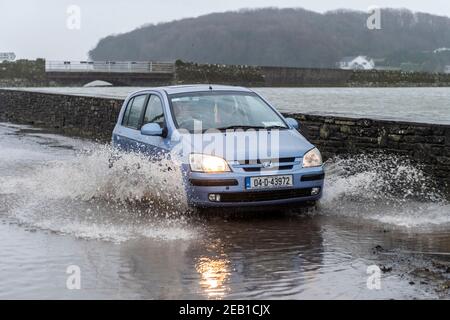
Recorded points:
7,56
447,69
439,50
356,63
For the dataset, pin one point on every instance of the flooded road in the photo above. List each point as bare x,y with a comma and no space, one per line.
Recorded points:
61,205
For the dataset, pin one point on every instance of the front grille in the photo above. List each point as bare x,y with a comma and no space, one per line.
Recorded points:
255,196
259,161
259,169
257,165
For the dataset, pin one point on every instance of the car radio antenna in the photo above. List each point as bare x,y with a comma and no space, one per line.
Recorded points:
206,79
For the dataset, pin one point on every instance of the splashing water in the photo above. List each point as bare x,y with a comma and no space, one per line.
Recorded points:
87,197
89,175
386,188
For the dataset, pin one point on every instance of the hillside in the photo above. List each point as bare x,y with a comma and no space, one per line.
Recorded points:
284,37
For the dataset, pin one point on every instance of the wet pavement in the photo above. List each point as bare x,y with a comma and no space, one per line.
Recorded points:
61,205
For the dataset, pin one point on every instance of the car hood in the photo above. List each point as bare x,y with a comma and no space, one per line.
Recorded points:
246,145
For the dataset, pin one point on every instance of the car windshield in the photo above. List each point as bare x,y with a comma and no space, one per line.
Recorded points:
223,110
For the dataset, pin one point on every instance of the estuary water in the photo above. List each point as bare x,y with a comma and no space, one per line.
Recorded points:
429,105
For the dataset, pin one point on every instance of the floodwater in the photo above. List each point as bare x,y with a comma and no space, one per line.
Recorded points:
61,206
428,105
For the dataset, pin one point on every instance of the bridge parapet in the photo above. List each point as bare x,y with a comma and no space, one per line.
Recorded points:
110,66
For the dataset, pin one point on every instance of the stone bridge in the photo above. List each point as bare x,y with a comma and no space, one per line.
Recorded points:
124,73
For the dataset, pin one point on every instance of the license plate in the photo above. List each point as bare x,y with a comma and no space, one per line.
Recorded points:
269,182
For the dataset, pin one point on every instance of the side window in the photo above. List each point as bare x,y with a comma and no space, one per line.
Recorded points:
127,112
154,112
134,111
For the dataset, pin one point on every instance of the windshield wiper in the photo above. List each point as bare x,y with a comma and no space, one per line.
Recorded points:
241,127
251,127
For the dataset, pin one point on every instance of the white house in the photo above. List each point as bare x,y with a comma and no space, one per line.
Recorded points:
447,69
7,56
356,63
439,50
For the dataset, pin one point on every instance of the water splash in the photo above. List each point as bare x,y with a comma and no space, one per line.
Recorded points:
386,188
132,177
83,196
87,197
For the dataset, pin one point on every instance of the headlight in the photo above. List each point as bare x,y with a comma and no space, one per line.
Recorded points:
208,164
312,158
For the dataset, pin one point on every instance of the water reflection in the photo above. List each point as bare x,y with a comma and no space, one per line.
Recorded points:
284,257
258,258
214,274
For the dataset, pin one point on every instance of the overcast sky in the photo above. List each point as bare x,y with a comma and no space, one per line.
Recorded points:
38,28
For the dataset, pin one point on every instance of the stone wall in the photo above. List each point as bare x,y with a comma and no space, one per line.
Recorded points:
426,144
305,77
23,73
218,74
88,117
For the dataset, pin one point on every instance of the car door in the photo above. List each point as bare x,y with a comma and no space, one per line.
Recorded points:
128,134
154,113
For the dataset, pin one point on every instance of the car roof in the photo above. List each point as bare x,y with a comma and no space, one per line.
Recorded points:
196,88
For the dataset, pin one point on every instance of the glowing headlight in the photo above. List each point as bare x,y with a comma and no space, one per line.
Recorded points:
312,158
208,164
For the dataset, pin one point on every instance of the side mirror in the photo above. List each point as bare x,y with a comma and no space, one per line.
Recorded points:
151,129
293,123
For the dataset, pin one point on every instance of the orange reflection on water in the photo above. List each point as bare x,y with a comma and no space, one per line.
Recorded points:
214,273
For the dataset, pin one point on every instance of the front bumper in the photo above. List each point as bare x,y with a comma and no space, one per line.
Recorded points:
232,191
